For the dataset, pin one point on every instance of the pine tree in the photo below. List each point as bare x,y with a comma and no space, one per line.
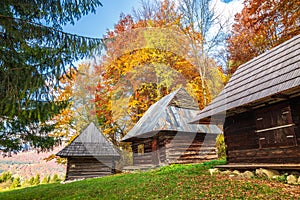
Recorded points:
37,179
16,183
31,181
6,176
46,179
35,52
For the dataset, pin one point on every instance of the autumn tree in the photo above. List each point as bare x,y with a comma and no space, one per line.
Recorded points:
260,26
64,125
77,88
35,52
147,57
84,89
205,29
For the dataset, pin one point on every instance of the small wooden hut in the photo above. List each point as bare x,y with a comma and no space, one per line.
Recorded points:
261,108
163,135
89,155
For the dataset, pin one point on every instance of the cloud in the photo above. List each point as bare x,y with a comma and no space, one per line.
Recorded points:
227,10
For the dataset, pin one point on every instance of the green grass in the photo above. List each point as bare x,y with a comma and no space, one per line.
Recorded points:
170,182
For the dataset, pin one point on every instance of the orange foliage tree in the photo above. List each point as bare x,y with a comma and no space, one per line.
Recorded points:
147,57
64,120
64,125
78,89
260,26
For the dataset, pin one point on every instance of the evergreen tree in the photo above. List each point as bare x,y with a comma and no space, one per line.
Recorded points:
6,176
16,183
31,181
34,53
37,179
46,180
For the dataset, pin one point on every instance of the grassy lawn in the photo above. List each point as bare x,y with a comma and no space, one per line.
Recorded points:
171,182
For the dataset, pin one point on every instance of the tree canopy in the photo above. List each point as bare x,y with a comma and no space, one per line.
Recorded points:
35,53
148,55
260,26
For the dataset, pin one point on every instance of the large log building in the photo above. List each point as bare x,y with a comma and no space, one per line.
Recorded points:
163,135
260,108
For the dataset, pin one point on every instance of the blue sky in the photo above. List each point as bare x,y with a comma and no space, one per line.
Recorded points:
95,25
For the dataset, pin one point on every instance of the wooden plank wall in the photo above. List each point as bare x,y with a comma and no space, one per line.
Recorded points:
280,155
176,148
88,167
188,148
162,149
239,132
295,108
146,157
243,144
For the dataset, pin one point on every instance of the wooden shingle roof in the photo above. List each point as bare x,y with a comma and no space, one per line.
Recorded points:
273,74
90,142
171,113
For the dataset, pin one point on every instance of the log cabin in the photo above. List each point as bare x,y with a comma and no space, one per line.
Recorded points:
90,155
163,136
260,109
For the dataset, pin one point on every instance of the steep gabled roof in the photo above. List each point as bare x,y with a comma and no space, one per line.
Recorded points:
272,74
171,113
90,142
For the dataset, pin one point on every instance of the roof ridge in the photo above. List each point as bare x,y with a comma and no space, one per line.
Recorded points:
183,101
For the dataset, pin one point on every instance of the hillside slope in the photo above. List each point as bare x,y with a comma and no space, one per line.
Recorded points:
30,163
171,182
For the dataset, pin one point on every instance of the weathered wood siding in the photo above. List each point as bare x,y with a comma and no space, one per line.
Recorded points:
189,147
266,135
295,108
88,167
144,158
239,132
175,147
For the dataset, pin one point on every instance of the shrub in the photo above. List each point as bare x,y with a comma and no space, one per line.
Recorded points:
221,147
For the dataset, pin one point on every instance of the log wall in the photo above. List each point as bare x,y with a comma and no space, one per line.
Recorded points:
190,147
266,135
88,167
175,147
144,158
295,108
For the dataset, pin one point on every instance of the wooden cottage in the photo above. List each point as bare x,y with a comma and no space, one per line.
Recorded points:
163,135
89,155
260,107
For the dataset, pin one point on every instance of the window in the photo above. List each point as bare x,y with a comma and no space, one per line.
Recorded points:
141,149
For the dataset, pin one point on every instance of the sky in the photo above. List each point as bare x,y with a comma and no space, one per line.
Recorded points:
96,25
